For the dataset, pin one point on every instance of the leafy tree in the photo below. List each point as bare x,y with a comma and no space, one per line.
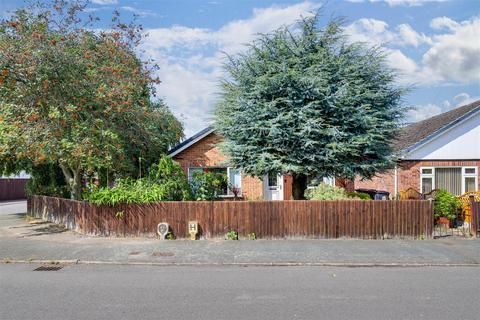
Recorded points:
305,101
76,97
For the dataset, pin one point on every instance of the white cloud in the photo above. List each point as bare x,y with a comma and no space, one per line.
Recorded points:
393,3
440,23
408,36
454,56
410,3
102,2
369,30
377,32
190,59
396,59
422,112
451,57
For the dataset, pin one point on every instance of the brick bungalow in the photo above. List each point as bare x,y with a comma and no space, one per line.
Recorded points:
442,152
200,152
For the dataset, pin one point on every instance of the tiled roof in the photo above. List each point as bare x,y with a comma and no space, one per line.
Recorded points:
187,142
420,132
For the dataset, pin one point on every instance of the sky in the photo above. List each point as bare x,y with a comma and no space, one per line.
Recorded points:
434,44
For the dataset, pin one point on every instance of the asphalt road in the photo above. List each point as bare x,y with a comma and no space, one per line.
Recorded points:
148,292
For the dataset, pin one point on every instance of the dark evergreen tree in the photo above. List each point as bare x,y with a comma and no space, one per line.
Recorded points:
305,101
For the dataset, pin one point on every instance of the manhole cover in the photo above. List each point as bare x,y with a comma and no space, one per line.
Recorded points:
48,268
162,254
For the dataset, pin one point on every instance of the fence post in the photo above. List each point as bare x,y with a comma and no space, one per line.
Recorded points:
473,217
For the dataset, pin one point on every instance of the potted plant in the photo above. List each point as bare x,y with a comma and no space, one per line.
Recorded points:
446,207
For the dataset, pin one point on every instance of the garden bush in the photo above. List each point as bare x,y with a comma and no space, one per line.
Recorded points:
208,185
165,182
326,192
446,205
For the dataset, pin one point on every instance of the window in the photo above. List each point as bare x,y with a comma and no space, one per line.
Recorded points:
234,177
456,180
470,179
426,180
313,181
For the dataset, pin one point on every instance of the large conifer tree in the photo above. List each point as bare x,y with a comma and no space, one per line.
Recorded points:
305,101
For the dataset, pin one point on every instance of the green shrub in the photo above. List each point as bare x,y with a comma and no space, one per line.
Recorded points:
208,185
446,205
165,182
326,192
359,195
232,235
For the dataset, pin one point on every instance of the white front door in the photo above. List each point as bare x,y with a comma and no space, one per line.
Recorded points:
273,187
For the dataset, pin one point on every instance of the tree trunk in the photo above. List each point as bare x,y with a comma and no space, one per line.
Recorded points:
299,186
74,181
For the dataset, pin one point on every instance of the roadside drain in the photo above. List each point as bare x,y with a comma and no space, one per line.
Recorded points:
162,254
48,268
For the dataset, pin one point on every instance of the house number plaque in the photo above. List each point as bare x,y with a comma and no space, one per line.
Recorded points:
193,229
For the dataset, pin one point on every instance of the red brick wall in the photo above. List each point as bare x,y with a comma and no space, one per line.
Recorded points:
409,174
205,153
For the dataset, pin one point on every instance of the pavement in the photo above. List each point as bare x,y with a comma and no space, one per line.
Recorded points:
24,240
220,292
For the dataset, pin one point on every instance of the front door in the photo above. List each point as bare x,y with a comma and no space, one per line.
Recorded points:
273,187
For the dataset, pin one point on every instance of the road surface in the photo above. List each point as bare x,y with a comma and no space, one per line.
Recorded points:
152,292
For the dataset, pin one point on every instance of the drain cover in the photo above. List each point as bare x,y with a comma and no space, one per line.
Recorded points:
48,268
162,254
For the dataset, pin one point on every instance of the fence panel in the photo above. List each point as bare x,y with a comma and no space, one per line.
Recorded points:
267,219
12,189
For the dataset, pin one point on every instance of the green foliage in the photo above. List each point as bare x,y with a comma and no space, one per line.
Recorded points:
165,182
326,192
252,236
305,101
232,235
47,180
446,205
207,186
359,195
169,236
77,98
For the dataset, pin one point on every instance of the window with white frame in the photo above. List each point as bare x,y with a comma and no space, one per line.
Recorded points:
456,180
314,181
234,178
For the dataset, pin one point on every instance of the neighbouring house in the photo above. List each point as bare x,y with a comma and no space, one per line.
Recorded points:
200,153
442,152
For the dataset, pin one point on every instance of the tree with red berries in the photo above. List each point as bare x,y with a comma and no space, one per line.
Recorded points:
77,97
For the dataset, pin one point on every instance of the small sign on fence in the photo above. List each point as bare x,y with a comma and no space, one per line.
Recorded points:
162,230
193,229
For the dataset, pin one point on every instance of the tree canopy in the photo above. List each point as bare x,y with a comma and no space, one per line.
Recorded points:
304,100
78,97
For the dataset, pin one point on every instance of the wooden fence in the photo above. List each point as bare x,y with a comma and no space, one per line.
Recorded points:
12,189
267,219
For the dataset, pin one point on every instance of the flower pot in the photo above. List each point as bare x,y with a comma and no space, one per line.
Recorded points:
443,220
